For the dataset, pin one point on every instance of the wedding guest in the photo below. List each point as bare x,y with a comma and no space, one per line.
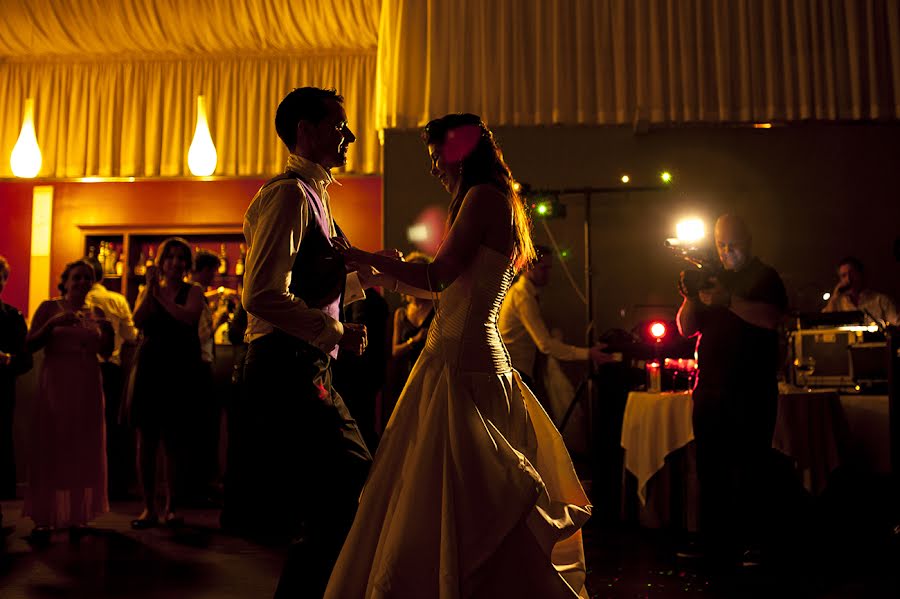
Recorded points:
410,327
15,360
119,440
168,312
67,461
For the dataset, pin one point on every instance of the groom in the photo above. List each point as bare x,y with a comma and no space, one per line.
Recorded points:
304,458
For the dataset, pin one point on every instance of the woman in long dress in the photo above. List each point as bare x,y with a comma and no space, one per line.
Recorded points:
472,493
67,462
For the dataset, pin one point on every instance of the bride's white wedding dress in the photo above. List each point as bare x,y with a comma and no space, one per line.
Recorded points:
472,493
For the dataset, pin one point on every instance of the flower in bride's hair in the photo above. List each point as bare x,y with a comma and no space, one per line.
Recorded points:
460,142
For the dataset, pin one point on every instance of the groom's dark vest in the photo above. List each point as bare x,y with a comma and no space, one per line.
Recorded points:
318,275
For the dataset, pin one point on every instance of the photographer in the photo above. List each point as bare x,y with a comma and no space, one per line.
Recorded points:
735,313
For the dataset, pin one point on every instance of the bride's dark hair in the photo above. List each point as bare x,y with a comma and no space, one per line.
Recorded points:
464,138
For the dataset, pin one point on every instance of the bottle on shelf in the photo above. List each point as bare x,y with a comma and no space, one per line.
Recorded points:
101,257
112,257
223,260
151,260
239,265
120,264
92,253
140,267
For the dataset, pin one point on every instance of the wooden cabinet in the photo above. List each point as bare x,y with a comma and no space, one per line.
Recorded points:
126,252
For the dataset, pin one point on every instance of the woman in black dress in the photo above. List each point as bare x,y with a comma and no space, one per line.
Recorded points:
411,322
168,360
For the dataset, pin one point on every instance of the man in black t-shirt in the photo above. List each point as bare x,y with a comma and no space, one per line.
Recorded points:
736,315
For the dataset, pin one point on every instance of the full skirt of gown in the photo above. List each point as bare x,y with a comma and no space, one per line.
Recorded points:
472,492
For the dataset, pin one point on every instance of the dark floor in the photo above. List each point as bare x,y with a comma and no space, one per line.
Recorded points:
856,558
116,561
633,563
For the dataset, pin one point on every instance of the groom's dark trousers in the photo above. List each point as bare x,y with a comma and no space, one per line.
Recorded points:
309,460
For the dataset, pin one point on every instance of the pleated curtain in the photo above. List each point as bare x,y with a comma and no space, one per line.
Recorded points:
115,81
590,62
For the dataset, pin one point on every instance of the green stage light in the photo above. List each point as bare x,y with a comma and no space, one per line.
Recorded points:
666,176
545,206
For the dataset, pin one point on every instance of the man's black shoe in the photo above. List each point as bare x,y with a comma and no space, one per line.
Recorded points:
751,558
690,552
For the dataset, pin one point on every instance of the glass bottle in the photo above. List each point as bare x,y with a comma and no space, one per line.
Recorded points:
223,260
140,267
112,257
120,264
239,265
102,257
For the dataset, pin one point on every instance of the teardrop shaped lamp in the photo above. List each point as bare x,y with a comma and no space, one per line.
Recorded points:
202,157
26,158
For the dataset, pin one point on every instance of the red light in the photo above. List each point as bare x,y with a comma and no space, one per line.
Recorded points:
658,330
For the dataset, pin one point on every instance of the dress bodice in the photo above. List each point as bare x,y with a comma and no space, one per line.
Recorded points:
168,339
74,339
83,338
464,330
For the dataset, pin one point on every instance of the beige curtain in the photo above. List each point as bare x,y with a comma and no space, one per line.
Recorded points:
137,118
115,81
138,28
535,62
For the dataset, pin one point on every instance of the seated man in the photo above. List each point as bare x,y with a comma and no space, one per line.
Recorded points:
851,294
523,329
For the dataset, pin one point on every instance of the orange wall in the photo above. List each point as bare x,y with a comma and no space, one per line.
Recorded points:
15,239
172,204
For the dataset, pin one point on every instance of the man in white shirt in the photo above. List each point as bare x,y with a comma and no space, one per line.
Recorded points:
851,294
119,439
301,456
523,329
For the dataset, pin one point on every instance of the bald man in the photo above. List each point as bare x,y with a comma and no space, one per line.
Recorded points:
735,318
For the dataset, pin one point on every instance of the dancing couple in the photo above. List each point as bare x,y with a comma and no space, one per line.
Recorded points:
471,492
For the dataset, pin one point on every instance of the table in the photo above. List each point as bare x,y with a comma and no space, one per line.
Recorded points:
818,430
868,432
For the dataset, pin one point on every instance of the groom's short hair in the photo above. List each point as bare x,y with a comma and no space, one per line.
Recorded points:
302,104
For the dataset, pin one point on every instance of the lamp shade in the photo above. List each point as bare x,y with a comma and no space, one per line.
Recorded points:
202,155
26,158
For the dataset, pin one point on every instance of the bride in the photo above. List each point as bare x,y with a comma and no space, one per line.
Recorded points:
472,493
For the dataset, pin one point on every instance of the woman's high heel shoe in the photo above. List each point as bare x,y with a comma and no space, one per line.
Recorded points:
144,523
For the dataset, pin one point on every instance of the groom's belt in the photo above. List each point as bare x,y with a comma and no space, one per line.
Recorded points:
280,341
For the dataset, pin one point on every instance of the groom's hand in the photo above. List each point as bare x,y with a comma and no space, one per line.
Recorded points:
391,253
351,254
354,339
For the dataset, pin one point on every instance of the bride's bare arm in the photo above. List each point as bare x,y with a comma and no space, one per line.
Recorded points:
484,211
